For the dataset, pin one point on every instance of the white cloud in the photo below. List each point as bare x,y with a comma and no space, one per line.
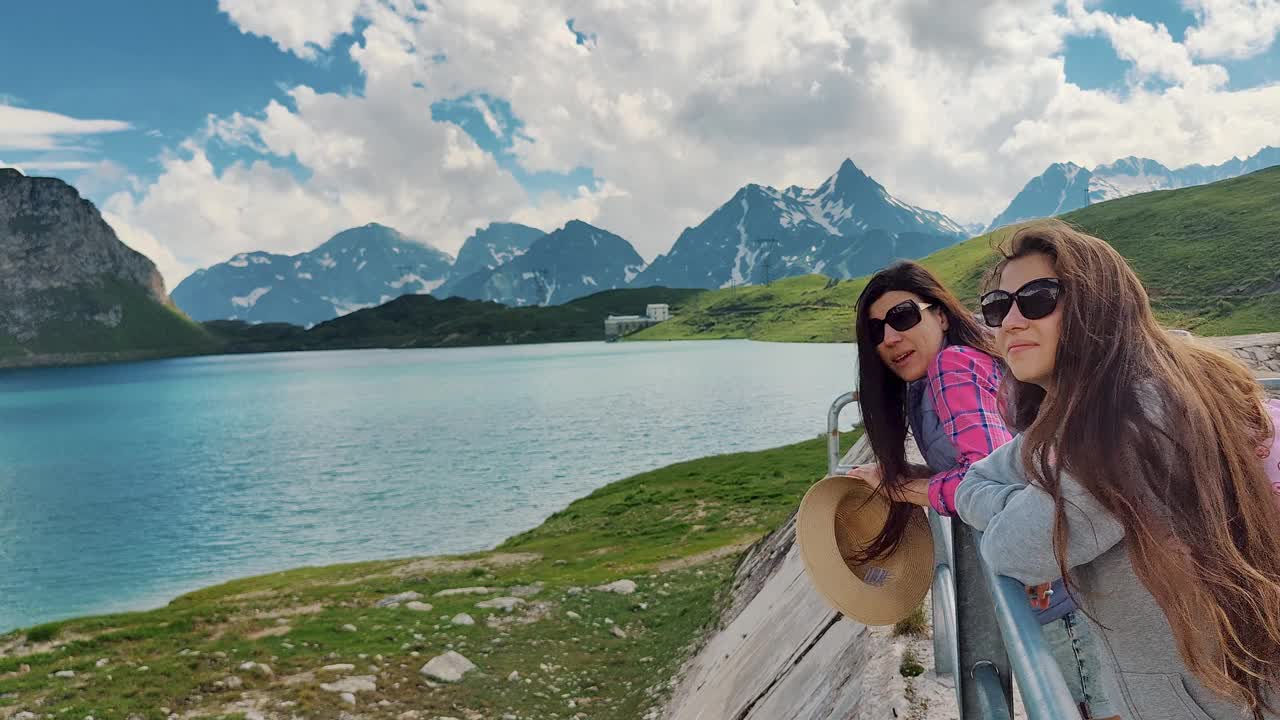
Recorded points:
297,27
676,105
1233,29
1150,48
28,129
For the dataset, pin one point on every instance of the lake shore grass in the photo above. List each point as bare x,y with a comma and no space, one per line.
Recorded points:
257,647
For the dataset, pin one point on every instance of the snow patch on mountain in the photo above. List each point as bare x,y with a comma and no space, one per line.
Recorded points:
248,301
345,307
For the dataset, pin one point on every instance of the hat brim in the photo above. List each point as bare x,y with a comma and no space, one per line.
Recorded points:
891,587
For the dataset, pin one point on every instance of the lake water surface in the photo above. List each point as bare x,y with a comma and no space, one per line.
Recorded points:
122,486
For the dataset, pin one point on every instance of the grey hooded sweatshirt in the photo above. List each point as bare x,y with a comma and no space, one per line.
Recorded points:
1143,675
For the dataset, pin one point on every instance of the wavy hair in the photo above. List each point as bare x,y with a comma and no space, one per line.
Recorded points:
883,394
1163,432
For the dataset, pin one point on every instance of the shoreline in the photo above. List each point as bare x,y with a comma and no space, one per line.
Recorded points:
666,541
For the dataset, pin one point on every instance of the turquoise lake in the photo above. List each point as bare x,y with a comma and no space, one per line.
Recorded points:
123,486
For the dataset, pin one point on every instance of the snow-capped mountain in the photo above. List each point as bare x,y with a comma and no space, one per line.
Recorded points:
490,247
1066,186
572,262
848,226
357,268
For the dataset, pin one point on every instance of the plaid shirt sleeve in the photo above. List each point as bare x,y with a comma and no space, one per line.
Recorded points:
964,386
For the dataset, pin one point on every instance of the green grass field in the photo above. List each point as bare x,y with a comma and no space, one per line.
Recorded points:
1209,256
144,327
675,531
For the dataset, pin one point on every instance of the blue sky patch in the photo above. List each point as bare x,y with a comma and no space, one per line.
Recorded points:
162,67
496,134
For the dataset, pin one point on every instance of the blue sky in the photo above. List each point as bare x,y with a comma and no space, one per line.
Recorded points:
640,117
1091,62
164,67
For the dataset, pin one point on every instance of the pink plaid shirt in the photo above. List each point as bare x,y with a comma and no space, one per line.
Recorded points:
1269,453
964,386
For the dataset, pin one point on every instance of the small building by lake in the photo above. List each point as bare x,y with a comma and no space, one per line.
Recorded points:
615,326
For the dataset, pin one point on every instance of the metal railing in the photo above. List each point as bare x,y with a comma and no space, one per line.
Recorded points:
984,630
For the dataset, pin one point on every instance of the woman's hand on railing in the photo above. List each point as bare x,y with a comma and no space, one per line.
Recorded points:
913,490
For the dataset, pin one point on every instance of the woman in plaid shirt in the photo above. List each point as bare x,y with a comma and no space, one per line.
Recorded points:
925,364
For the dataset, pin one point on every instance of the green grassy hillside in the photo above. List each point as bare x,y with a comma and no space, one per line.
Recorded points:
142,327
1209,256
423,321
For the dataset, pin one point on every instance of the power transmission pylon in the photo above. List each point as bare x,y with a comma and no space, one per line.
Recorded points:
768,255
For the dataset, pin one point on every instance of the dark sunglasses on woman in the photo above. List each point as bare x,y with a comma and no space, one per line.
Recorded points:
901,317
1035,300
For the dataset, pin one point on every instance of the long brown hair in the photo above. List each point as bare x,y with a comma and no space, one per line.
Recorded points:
1163,433
882,393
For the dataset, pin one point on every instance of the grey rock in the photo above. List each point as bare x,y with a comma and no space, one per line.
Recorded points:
501,603
65,674
338,668
419,606
621,587
449,667
523,591
463,619
464,591
348,698
354,684
397,599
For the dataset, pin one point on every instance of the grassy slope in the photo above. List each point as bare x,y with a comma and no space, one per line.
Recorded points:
626,530
146,327
423,321
1209,255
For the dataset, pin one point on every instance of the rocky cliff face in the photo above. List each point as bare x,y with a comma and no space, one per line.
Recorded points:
70,290
53,239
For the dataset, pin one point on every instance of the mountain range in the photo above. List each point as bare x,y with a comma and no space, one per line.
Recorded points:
575,261
357,268
1064,187
848,226
63,267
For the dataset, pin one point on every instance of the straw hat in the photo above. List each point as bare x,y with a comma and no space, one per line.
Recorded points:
841,515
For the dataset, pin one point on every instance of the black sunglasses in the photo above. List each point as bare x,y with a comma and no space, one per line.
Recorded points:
901,317
1035,300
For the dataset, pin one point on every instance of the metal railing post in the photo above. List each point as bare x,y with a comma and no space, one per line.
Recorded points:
987,682
833,430
978,638
943,595
1044,691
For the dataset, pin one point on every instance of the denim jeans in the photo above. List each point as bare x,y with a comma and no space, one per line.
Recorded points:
1071,642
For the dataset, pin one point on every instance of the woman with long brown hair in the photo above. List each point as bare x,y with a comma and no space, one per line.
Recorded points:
1136,476
926,364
